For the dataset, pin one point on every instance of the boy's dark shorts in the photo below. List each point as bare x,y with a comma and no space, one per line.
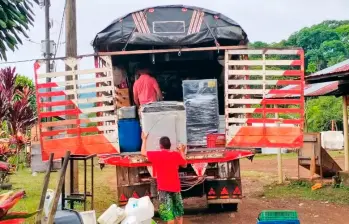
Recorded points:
170,205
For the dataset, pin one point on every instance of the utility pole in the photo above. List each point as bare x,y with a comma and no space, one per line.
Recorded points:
47,37
71,51
279,155
47,46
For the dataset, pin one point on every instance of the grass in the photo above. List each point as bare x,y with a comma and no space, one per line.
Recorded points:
302,190
23,179
293,155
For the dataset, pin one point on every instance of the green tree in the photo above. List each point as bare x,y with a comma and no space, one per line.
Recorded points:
321,111
23,81
325,44
333,51
15,18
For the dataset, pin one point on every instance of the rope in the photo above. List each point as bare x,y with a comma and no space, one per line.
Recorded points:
191,184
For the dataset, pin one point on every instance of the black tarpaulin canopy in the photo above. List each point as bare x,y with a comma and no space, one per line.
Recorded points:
169,26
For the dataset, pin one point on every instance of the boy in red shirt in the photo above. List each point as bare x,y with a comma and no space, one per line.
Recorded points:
165,166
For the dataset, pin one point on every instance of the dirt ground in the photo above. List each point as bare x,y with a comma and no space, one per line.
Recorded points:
309,211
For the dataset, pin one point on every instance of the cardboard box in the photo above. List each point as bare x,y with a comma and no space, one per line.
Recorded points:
123,98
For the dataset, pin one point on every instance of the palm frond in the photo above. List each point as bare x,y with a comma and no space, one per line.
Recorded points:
15,17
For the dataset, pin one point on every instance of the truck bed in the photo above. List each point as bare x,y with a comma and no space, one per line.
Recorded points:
198,155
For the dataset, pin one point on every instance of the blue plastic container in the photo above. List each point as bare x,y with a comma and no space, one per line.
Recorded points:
129,135
279,222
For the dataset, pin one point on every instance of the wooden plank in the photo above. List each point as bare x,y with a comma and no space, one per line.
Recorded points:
73,72
89,90
122,177
244,101
241,110
88,140
264,62
283,51
69,83
107,128
266,91
44,190
158,51
62,123
103,119
263,110
94,99
252,82
58,113
72,131
77,121
97,109
267,82
283,101
247,91
56,103
263,121
226,88
285,91
237,120
267,72
51,94
265,51
59,188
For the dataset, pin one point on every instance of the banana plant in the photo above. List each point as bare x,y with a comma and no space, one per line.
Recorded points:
15,18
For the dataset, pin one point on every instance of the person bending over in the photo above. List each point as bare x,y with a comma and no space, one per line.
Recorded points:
146,89
166,163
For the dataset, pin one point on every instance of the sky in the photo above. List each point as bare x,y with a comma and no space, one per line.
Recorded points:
262,20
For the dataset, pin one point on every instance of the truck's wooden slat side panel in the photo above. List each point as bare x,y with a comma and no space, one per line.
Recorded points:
253,117
83,106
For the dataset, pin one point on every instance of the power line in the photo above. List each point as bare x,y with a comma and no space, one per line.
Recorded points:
31,41
60,30
20,61
60,34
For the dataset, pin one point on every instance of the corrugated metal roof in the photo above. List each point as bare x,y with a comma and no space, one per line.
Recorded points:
318,89
335,69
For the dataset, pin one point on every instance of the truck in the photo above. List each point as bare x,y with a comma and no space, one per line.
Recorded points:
77,112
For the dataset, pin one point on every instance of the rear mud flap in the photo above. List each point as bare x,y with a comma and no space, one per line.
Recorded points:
223,191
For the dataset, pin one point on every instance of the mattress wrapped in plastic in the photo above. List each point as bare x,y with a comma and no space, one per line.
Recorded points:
201,104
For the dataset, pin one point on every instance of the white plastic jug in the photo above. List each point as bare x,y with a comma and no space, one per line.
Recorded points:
88,217
48,201
130,220
142,209
113,215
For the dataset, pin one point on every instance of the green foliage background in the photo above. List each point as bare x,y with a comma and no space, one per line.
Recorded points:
15,18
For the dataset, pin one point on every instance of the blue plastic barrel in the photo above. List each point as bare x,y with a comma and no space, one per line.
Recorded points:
130,135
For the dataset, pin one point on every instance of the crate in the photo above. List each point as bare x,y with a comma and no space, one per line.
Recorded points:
279,222
278,215
215,140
